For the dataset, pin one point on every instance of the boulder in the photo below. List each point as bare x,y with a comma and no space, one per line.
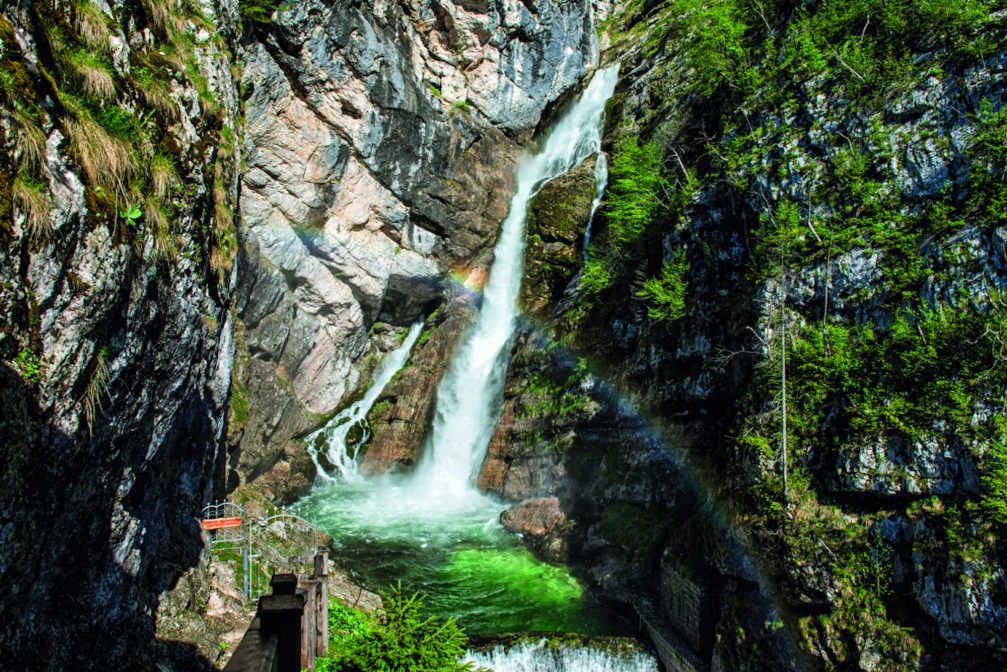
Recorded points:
544,527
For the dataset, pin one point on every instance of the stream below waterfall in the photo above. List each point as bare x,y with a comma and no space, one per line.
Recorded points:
460,557
431,529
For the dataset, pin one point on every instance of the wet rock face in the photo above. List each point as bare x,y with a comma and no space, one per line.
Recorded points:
405,409
380,148
558,215
114,418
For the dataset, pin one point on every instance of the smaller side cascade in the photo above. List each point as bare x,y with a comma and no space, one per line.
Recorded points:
332,440
601,181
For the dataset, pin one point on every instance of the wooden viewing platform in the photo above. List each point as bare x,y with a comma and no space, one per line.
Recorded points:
291,626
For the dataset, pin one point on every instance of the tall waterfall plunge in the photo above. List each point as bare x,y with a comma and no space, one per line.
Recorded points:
431,529
470,394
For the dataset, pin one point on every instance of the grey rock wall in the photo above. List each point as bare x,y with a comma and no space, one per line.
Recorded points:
117,358
380,145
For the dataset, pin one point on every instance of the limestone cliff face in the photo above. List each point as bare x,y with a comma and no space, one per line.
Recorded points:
116,337
861,229
380,146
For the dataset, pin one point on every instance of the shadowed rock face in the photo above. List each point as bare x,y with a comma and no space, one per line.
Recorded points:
380,148
98,501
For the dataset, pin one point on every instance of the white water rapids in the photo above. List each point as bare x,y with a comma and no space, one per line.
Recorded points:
540,657
470,394
335,432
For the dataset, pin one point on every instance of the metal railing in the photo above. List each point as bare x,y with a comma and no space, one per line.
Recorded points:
261,547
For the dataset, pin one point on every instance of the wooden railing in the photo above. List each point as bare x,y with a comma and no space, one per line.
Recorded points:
291,626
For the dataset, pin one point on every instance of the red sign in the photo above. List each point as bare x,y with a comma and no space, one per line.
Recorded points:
217,523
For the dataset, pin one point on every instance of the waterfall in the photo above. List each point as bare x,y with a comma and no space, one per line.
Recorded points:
600,181
539,657
332,437
470,394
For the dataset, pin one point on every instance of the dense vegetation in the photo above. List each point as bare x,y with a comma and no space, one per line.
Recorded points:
115,118
399,639
784,125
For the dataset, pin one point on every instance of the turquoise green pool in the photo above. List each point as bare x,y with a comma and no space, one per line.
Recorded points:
456,553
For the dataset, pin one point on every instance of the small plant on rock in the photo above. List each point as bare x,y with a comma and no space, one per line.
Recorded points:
31,367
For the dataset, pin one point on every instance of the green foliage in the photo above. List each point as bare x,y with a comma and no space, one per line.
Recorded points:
927,365
864,580
595,277
430,323
636,186
775,242
400,640
379,408
556,398
347,629
866,44
30,365
121,123
132,214
710,38
239,406
714,40
665,294
994,478
868,572
95,73
988,181
258,13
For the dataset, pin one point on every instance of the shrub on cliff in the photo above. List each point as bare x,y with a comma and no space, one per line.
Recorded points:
994,479
665,294
258,13
635,192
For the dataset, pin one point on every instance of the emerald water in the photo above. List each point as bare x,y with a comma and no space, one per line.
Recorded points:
469,567
431,529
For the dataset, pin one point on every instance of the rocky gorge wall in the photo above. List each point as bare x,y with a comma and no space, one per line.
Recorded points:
794,180
775,179
118,170
376,149
380,145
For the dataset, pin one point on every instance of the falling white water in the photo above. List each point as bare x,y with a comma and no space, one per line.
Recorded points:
538,657
470,394
600,181
332,437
